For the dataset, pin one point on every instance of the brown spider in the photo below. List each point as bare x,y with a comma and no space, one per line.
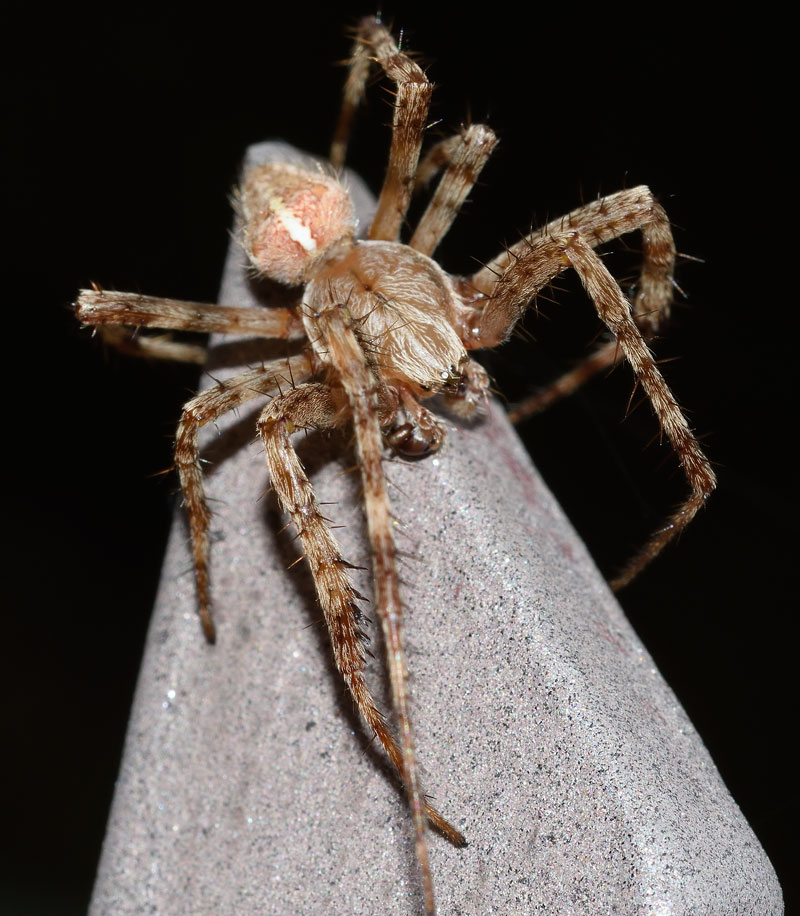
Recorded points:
387,328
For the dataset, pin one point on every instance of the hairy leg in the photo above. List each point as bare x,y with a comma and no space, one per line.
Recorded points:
318,406
359,67
513,277
464,159
101,307
412,99
354,364
604,357
614,310
203,409
162,346
535,264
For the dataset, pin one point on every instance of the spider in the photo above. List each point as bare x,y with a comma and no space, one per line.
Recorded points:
386,329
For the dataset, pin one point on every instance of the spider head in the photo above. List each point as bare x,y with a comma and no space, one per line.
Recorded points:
291,218
464,390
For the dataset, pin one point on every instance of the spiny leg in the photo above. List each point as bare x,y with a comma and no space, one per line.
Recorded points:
361,383
437,158
203,409
316,405
614,310
604,357
465,160
101,307
359,67
129,343
527,272
598,222
412,99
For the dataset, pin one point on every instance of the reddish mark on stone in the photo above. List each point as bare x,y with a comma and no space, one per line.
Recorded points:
564,546
609,637
518,470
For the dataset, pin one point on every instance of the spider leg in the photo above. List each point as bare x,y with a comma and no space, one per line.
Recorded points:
152,347
614,310
359,66
101,307
605,356
437,158
203,409
315,405
412,99
464,160
361,383
533,266
601,221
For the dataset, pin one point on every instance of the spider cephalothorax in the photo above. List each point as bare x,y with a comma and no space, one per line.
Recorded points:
386,328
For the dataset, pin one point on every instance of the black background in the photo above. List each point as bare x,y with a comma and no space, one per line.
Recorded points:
123,139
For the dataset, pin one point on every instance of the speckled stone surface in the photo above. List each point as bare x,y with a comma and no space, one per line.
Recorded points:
248,785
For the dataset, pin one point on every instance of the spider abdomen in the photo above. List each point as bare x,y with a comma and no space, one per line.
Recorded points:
291,217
